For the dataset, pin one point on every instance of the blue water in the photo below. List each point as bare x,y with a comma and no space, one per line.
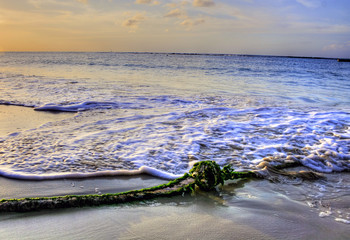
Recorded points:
166,111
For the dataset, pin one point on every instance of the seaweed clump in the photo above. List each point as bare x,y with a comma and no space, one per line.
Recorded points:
207,175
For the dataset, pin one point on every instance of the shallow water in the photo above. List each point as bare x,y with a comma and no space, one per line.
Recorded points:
166,111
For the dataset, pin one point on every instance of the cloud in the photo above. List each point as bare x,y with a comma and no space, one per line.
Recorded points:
175,13
203,3
83,1
150,2
337,46
189,23
134,21
143,1
175,5
54,7
310,3
317,28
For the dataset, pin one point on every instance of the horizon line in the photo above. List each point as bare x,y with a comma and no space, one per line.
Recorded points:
179,53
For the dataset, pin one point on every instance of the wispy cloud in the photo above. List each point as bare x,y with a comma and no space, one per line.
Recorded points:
175,13
190,23
83,1
150,2
203,3
185,13
179,4
310,3
134,21
317,28
337,46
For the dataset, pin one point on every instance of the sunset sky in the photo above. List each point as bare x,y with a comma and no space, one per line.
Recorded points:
272,27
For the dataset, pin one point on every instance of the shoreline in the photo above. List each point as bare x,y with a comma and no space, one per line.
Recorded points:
13,188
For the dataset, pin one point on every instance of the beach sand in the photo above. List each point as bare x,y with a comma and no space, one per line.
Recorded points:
16,118
240,210
249,211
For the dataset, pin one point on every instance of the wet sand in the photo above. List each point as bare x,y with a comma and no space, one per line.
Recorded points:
252,210
13,188
16,118
243,210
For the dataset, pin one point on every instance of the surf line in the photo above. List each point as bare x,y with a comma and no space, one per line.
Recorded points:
204,176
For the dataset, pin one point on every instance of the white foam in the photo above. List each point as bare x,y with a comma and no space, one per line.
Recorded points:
129,139
49,176
76,107
325,214
342,220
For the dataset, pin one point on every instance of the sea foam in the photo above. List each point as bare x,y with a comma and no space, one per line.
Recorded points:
105,142
77,107
49,176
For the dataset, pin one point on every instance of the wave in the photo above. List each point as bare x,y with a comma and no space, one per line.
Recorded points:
50,176
138,103
16,103
88,105
73,107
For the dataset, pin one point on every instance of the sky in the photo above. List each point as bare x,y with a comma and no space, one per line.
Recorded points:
313,28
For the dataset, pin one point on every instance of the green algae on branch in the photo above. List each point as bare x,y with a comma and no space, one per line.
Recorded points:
176,187
206,175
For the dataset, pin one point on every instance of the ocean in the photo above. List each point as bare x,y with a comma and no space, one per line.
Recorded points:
160,113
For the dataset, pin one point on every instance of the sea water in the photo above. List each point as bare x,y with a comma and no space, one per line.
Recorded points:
167,111
161,113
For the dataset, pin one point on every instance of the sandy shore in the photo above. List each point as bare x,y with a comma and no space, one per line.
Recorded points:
16,118
243,210
252,210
